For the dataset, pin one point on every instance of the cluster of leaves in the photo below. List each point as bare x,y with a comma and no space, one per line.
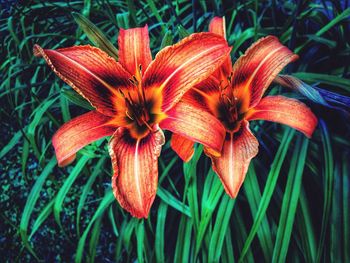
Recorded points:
294,203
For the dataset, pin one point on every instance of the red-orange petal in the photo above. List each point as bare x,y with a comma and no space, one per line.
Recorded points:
179,67
231,167
182,146
218,26
90,71
79,132
287,111
135,165
196,125
255,70
134,49
204,95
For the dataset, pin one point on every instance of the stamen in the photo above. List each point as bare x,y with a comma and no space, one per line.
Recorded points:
229,100
229,78
140,69
147,125
144,96
128,115
135,80
130,98
121,92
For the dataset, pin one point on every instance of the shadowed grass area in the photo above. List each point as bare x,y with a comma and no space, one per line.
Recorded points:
294,203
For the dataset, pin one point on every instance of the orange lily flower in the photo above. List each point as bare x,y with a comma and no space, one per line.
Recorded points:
132,97
233,94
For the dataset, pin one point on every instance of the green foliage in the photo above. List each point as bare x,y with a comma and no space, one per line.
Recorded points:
294,204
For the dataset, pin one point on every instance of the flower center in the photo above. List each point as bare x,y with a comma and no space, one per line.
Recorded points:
142,108
136,108
228,106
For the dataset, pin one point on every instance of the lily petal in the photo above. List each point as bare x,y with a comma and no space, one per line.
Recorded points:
79,132
231,167
196,125
134,49
182,146
204,95
218,26
287,111
179,67
90,71
135,165
255,70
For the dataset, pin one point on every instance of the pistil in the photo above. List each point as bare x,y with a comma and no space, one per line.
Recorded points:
137,108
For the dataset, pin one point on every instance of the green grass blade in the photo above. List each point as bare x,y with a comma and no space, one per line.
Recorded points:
62,193
95,235
335,219
160,232
38,116
167,39
227,249
208,208
253,194
269,188
220,228
169,199
328,186
95,35
132,11
342,16
243,37
190,174
182,32
240,233
12,143
324,78
31,201
107,200
155,12
86,190
290,201
346,209
140,240
44,214
113,222
183,241
75,98
306,230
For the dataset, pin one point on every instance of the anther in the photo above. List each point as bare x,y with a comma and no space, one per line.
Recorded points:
121,93
147,125
229,78
135,80
140,69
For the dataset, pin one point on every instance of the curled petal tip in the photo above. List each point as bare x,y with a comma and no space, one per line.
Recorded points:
182,146
37,50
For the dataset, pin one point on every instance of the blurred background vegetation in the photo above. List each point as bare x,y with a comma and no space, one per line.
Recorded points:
294,204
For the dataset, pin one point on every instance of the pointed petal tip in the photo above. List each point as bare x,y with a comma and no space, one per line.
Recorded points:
63,162
232,193
137,212
37,50
182,146
238,151
287,111
218,26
